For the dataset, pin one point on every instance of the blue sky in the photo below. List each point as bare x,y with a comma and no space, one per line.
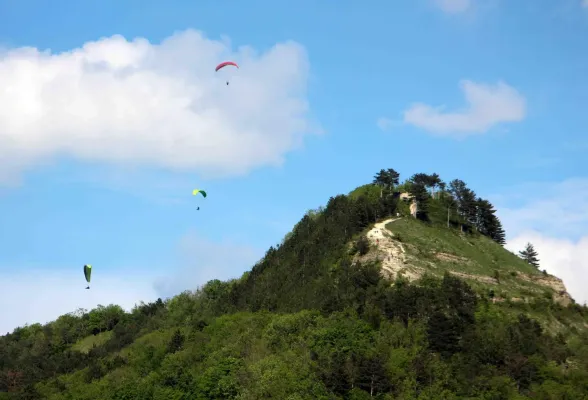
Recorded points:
99,156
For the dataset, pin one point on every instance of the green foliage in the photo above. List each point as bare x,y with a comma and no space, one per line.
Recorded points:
362,245
309,322
530,255
434,341
176,342
89,342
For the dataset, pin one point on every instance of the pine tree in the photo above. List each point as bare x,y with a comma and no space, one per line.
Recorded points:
498,234
456,188
487,222
386,179
393,176
466,201
420,179
176,342
443,334
530,255
469,206
435,182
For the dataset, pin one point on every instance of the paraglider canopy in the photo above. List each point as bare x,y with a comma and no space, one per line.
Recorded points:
88,274
196,191
226,64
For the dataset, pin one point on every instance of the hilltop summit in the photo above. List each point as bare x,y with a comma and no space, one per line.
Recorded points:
375,295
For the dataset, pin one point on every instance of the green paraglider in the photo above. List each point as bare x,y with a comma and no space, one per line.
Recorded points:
196,191
88,274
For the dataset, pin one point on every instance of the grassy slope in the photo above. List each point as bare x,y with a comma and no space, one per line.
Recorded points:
437,249
475,258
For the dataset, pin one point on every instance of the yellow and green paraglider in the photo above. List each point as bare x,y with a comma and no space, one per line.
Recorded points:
196,191
88,274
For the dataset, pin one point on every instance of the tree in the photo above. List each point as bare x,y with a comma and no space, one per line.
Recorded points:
465,199
497,233
176,342
362,245
386,179
442,186
436,182
419,179
487,222
530,255
421,196
443,334
447,201
393,176
469,207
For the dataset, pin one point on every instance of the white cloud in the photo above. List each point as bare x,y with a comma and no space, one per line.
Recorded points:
202,260
137,103
27,299
453,6
553,216
558,209
488,105
384,123
566,259
585,3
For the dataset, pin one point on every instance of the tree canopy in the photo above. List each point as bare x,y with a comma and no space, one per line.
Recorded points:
310,321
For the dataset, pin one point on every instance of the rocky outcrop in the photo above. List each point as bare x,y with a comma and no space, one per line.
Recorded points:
389,252
561,294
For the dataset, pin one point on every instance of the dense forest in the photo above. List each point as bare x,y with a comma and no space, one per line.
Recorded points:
311,322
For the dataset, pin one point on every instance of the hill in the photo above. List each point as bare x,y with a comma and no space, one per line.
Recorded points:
395,291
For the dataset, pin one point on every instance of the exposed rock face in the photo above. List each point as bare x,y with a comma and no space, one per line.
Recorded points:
389,252
414,208
479,278
451,258
561,294
413,204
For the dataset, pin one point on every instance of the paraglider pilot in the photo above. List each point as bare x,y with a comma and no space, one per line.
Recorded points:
224,64
88,274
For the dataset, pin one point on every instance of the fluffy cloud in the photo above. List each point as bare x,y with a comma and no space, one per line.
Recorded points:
137,103
553,216
559,209
564,258
453,6
384,123
202,260
488,105
27,299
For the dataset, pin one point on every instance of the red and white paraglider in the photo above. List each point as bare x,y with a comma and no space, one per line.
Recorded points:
226,64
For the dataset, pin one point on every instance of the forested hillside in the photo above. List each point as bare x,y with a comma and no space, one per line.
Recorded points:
431,307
